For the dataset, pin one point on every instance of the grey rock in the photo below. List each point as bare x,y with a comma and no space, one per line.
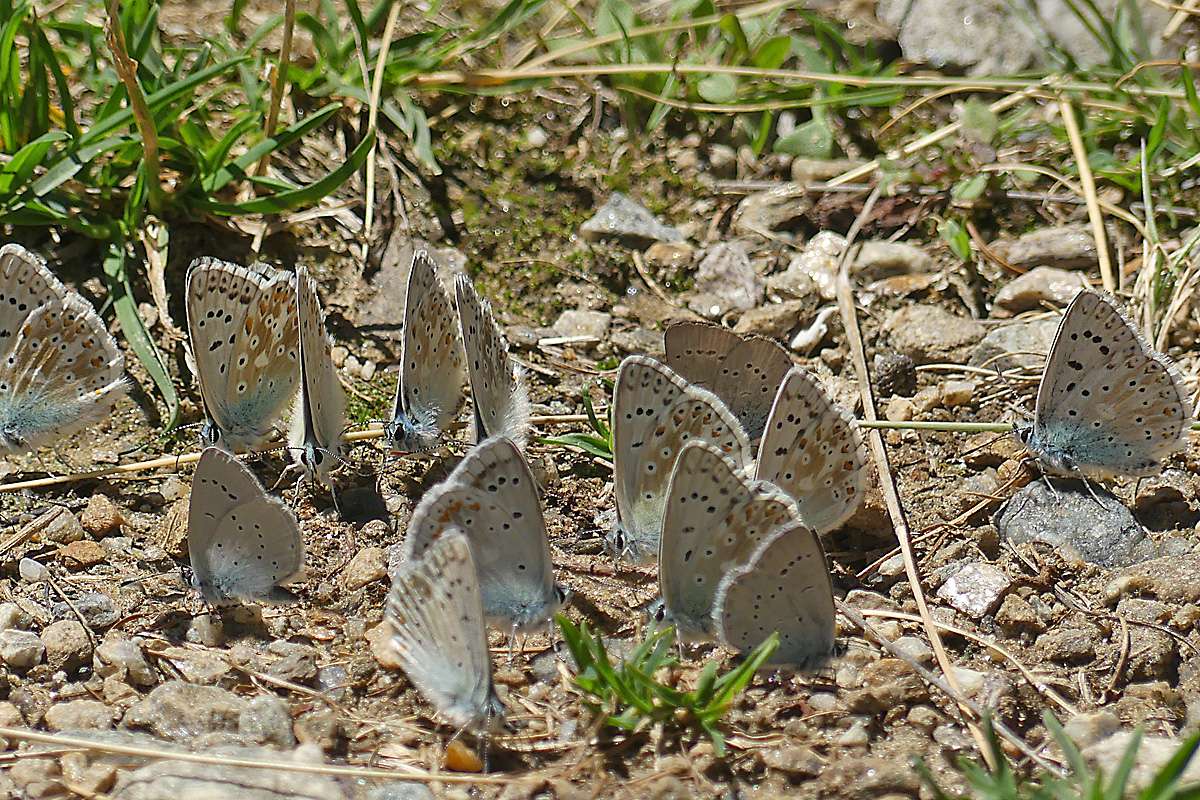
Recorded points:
1039,286
298,664
868,776
1069,32
1153,654
1063,246
20,649
36,777
895,374
400,790
60,526
580,322
929,334
76,715
628,223
367,566
182,711
380,299
12,616
1016,616
1089,728
1069,518
773,320
776,211
119,656
669,255
1069,645
180,780
319,727
879,259
985,37
914,648
975,589
816,265
1016,345
98,609
197,666
67,645
1153,753
726,281
266,720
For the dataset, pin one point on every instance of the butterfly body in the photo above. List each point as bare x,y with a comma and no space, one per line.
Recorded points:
491,497
429,389
59,368
656,413
1107,404
244,334
243,544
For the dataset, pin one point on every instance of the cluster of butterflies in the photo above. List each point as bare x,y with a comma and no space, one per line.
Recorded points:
735,530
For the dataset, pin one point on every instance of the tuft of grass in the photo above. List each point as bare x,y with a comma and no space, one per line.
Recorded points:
1079,782
630,698
598,443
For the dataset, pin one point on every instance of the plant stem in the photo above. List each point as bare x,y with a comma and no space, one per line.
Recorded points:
127,68
277,85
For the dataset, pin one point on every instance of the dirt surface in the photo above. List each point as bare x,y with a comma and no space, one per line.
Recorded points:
1056,633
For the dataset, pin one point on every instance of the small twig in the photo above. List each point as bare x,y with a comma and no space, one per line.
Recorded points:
126,68
1087,182
373,115
280,81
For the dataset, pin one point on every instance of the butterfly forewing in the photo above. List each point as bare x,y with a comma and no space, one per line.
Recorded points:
497,385
715,519
435,613
322,406
1107,404
432,372
783,588
59,367
814,451
244,337
491,497
744,371
242,543
655,413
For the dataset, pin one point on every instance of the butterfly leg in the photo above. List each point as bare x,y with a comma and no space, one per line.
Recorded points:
1092,491
1050,486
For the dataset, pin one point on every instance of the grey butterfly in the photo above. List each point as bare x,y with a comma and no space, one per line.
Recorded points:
814,451
243,543
321,406
744,371
783,587
429,391
59,368
655,413
245,345
1107,404
715,520
436,616
492,498
498,388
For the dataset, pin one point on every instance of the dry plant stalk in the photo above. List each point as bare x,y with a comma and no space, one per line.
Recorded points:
277,86
126,68
1087,182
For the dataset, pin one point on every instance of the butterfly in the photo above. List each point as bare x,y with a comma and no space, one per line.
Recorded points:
492,498
715,520
784,587
1107,403
498,388
655,413
814,451
744,371
429,391
245,345
60,368
321,406
243,544
435,612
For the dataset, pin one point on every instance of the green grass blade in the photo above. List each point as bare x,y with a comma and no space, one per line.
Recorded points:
1161,788
238,167
134,329
1120,778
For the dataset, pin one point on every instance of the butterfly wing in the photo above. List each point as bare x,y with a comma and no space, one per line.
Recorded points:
429,391
498,388
715,519
242,544
436,615
244,336
814,451
492,498
1107,404
784,588
655,413
744,371
317,427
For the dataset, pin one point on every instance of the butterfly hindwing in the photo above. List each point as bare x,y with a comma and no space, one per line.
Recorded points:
655,413
321,410
814,451
498,388
435,613
1108,404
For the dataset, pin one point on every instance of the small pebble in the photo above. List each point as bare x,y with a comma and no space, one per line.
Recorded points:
460,758
101,517
367,566
67,645
20,649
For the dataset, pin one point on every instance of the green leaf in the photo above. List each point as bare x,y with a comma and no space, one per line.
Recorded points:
18,170
979,122
301,195
718,88
970,188
134,328
239,166
772,53
956,237
813,139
